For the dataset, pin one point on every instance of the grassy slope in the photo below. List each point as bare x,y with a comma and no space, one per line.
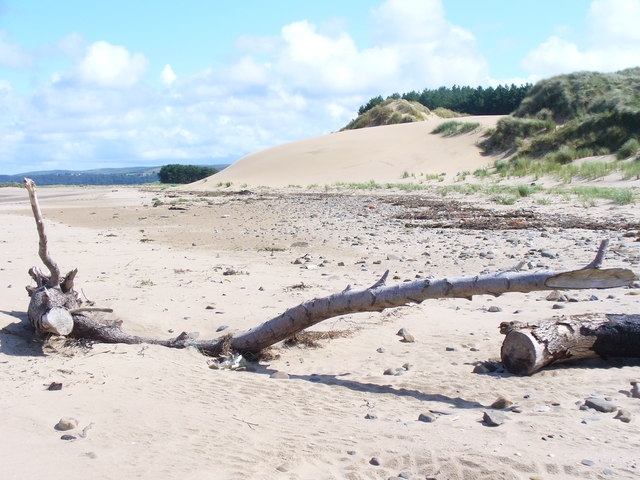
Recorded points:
573,116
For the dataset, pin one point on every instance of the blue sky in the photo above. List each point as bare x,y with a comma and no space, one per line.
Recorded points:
87,84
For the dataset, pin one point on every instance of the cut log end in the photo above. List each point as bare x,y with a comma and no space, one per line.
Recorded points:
57,321
521,353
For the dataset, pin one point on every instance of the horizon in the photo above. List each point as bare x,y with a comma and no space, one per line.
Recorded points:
87,86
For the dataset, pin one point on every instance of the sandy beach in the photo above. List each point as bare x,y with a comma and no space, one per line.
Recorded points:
220,261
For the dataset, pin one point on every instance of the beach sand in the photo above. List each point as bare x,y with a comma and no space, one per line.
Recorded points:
200,261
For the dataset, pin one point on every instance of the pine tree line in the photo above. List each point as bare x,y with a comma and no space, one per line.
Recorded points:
501,100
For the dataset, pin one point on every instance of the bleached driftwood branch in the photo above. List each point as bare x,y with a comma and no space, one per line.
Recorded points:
373,299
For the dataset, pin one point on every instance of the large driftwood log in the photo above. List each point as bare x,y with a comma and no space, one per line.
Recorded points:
528,348
373,299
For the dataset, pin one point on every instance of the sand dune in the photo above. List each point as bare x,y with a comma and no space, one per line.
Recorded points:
382,154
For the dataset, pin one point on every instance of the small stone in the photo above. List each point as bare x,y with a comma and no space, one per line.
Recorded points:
502,402
600,405
282,469
608,471
380,350
54,386
371,416
493,418
66,436
494,309
554,296
351,452
427,417
588,463
389,371
541,408
209,307
635,389
402,332
280,375
407,366
548,254
341,264
408,338
558,306
374,461
66,423
221,328
480,369
405,475
623,415
451,349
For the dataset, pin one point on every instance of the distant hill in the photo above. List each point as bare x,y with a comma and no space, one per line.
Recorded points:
573,116
100,176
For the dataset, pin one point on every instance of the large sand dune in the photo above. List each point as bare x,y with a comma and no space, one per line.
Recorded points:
382,154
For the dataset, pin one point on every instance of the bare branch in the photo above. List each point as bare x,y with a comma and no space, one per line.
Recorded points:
54,279
602,250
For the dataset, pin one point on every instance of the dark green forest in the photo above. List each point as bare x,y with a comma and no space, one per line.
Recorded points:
501,100
175,173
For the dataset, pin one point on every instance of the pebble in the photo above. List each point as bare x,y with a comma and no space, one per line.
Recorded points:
451,349
66,423
404,475
494,309
351,452
408,338
374,461
221,328
600,405
480,369
502,402
402,332
623,415
588,463
427,417
558,306
68,437
555,296
54,386
280,375
548,254
371,416
635,389
380,350
493,418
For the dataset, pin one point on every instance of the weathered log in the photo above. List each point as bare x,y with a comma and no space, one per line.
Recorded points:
52,293
528,348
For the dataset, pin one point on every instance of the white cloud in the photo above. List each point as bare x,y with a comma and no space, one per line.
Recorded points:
107,65
614,43
167,76
13,55
303,82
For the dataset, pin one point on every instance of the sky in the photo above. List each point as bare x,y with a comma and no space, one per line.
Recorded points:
87,84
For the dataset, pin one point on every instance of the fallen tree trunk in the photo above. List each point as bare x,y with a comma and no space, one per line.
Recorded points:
373,299
528,348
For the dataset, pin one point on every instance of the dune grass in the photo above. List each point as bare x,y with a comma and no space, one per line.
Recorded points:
454,127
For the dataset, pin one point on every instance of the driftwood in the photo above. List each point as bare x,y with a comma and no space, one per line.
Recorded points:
528,348
53,293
